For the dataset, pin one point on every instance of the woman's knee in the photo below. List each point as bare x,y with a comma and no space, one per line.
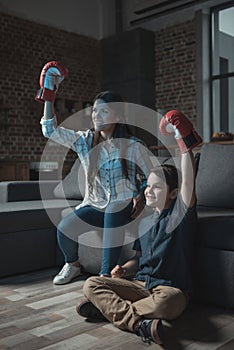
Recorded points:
60,227
69,226
117,206
65,224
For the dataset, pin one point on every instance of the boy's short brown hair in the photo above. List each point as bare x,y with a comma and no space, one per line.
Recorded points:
169,173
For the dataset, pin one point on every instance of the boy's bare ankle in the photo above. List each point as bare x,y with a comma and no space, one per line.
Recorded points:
76,263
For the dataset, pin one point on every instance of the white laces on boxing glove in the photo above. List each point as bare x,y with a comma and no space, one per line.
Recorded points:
53,78
173,129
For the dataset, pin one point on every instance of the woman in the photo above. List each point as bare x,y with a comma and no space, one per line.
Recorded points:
116,170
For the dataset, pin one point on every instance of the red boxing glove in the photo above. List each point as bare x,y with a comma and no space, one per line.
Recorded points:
185,135
51,76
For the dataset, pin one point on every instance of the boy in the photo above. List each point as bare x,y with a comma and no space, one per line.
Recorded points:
162,265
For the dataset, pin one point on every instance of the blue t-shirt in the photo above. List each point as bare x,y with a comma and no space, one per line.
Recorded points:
167,243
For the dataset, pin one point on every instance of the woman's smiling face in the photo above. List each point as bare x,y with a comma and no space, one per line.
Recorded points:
102,115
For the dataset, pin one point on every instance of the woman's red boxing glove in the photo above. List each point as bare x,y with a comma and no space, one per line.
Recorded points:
52,75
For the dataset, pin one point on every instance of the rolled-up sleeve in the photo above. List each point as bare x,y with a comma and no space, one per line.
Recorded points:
63,136
48,126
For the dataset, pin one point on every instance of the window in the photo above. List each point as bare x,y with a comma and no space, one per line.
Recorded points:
222,69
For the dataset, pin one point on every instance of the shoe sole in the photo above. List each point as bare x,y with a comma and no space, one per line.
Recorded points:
156,328
67,281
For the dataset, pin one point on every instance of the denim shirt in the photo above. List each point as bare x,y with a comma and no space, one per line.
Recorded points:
166,242
109,184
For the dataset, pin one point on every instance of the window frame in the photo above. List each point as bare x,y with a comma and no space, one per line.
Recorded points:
214,11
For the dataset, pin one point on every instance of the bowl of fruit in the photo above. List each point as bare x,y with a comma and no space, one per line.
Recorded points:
222,136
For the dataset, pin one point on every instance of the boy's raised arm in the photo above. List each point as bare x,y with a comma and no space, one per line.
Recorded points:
187,190
187,138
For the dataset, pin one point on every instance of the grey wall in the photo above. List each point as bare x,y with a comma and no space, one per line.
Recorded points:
94,18
128,66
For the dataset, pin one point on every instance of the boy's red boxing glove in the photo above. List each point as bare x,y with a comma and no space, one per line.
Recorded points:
185,135
51,76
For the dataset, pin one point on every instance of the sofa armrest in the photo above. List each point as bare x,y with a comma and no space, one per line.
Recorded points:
15,191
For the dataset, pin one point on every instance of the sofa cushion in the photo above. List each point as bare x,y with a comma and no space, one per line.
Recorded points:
215,228
216,233
214,282
25,251
215,177
73,185
12,191
29,215
212,212
90,245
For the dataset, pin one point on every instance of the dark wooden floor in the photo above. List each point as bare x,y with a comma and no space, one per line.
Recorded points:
35,314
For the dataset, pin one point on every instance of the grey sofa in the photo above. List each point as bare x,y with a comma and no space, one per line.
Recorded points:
214,268
29,215
28,237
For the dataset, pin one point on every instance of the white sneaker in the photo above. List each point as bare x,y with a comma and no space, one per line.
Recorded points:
67,273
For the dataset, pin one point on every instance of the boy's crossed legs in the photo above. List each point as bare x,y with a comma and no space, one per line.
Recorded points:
126,304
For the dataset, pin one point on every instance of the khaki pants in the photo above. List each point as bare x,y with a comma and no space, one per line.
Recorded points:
125,302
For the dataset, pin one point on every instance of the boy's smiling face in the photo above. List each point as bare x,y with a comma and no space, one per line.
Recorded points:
157,193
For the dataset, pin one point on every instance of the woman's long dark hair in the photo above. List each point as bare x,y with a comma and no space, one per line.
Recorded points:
121,131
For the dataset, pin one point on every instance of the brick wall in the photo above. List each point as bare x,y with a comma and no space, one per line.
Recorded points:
25,48
175,76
